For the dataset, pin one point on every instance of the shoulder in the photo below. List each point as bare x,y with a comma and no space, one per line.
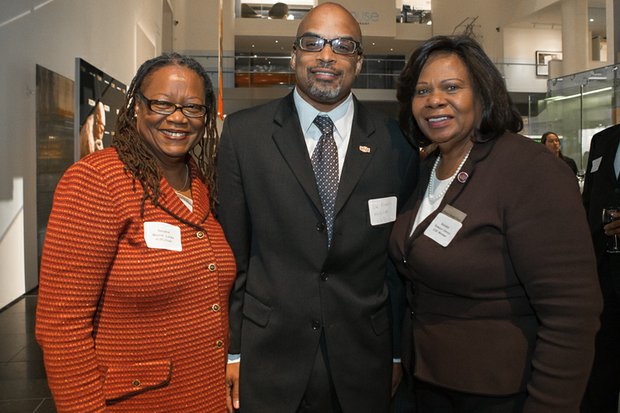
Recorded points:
101,169
519,148
102,157
604,139
265,111
364,114
369,120
568,160
605,133
516,158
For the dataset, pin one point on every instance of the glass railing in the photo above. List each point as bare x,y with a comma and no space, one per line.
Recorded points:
379,72
280,10
409,15
277,10
576,107
242,71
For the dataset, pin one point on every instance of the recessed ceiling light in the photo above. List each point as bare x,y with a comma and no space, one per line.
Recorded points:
591,20
373,43
276,41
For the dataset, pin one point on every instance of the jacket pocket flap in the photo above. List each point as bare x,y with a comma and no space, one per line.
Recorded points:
122,381
256,311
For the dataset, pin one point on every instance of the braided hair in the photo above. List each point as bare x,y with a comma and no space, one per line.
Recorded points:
135,154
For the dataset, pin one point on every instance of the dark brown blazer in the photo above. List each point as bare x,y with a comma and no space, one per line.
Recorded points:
512,303
289,286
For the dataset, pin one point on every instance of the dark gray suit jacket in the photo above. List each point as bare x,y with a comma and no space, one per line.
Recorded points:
289,287
601,187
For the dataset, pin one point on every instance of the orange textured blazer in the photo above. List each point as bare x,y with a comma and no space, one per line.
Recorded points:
125,327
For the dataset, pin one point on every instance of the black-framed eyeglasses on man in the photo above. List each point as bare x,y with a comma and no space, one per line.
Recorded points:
339,45
163,107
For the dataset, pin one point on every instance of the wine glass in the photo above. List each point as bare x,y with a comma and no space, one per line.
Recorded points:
581,177
611,214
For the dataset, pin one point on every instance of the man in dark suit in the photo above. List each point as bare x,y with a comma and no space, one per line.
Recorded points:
310,309
602,190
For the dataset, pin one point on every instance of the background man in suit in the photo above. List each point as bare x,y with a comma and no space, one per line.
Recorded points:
602,190
310,309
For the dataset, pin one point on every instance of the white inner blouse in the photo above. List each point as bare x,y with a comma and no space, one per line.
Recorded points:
189,203
428,205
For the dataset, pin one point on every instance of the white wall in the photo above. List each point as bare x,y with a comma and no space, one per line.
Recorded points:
520,46
12,237
52,34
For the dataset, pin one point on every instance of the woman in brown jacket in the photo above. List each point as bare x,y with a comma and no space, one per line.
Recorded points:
502,289
135,274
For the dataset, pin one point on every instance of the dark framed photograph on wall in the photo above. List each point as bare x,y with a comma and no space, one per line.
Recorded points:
99,98
542,61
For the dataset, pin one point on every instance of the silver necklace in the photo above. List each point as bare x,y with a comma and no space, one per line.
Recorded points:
431,184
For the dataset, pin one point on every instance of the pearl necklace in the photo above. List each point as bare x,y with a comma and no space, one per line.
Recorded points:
430,191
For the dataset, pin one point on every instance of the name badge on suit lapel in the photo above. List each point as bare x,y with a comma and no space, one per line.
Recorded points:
445,226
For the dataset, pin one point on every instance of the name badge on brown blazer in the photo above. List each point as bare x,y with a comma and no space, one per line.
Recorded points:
446,225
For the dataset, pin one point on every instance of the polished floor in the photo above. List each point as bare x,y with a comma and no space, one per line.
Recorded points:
23,386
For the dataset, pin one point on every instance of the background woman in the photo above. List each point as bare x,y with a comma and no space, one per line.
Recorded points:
502,287
136,272
552,142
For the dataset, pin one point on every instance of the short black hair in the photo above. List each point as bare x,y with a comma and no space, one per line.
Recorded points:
499,114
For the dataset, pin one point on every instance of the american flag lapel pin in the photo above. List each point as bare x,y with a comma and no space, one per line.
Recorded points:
364,149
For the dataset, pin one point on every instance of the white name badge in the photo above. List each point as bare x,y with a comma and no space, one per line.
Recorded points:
382,210
162,236
445,225
596,164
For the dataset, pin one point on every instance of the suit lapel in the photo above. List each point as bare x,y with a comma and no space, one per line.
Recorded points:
290,141
200,199
609,156
478,152
425,174
359,154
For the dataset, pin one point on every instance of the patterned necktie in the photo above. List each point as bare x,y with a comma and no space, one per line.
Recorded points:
325,165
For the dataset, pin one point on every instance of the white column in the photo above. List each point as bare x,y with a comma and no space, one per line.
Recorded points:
576,42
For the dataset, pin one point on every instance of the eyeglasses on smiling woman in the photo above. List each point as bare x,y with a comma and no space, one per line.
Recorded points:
164,107
340,45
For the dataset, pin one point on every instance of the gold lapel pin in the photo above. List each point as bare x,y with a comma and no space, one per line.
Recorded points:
364,149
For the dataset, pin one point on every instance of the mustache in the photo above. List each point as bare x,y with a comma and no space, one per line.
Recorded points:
325,65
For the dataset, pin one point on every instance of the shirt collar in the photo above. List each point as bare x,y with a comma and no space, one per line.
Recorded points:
338,115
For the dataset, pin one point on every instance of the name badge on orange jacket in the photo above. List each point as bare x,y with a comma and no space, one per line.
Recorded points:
162,236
